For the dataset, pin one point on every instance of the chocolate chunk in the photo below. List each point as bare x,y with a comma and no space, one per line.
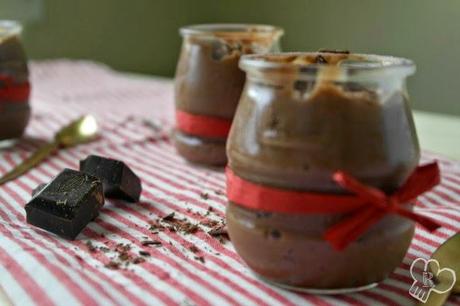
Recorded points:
118,179
67,204
38,189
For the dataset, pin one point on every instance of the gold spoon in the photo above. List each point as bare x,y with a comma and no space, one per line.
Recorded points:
448,256
80,131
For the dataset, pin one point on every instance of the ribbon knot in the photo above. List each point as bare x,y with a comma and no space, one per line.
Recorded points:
378,204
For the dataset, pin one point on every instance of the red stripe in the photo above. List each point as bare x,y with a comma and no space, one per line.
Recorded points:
25,280
202,126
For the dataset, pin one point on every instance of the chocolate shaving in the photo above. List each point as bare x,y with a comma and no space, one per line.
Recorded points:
151,242
122,247
144,253
334,51
104,249
204,195
138,260
194,249
113,265
124,256
90,246
210,223
200,258
169,217
218,231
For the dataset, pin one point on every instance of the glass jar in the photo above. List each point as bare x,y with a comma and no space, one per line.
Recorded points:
208,84
14,82
302,117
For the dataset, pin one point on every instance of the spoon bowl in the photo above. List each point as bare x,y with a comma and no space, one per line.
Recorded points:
80,131
448,255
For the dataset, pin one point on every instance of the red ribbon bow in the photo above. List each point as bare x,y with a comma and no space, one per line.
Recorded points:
201,125
421,180
367,205
13,92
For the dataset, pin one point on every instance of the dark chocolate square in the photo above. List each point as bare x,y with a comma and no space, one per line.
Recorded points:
118,179
67,204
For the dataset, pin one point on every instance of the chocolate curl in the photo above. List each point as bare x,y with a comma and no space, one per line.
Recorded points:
201,125
422,179
12,92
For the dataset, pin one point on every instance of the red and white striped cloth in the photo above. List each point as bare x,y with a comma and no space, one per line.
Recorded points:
38,268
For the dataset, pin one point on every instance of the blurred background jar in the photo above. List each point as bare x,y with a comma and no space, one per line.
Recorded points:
209,82
302,117
14,82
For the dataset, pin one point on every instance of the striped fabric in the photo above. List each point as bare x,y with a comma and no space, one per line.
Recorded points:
38,268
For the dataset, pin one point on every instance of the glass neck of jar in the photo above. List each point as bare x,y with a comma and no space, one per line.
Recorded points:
9,28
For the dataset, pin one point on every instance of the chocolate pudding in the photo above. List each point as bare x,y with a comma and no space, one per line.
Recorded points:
301,118
209,82
14,82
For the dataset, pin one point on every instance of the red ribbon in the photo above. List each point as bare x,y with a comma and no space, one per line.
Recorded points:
367,204
12,92
203,126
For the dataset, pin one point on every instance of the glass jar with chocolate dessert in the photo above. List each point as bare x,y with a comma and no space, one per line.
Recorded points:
14,82
301,118
209,82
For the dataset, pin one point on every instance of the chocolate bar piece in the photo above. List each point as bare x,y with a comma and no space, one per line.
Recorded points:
67,204
38,189
119,180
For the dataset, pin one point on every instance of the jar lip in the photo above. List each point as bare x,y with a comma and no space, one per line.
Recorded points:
231,29
9,28
369,62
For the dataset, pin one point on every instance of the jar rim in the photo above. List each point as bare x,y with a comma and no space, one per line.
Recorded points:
369,62
9,28
231,29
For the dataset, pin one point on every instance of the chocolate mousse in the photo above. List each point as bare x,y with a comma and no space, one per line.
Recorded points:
14,84
209,82
302,117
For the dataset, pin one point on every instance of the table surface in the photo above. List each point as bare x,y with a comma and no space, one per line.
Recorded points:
39,268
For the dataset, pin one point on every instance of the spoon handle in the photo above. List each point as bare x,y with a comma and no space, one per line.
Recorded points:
39,155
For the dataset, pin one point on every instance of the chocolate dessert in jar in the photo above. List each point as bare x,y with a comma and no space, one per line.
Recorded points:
322,169
14,82
209,82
